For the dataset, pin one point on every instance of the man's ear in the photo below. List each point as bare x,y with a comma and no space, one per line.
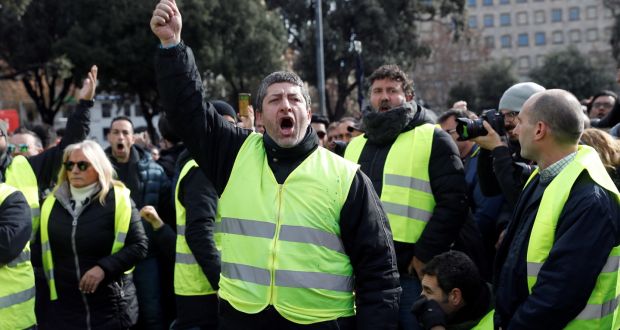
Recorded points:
541,131
455,297
409,97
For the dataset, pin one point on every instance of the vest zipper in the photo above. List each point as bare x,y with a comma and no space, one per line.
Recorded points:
77,269
272,269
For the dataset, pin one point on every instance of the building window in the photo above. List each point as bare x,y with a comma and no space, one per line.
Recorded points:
471,3
489,42
591,12
473,22
524,62
558,37
608,14
573,14
504,19
592,35
521,1
540,60
504,2
506,41
607,33
540,38
523,40
488,20
539,17
522,18
487,2
556,15
574,35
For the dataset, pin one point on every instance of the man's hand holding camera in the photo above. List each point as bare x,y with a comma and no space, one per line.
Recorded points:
490,141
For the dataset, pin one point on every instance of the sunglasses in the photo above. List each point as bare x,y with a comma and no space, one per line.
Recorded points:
22,147
320,134
81,165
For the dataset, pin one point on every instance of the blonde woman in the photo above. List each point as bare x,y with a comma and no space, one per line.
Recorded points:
91,237
608,149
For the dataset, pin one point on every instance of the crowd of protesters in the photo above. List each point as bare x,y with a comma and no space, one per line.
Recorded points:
272,217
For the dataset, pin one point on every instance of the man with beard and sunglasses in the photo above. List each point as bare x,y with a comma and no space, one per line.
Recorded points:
416,170
305,243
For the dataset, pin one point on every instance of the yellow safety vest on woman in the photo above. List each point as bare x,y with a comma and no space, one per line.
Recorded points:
601,311
20,175
189,279
122,219
281,243
16,285
406,194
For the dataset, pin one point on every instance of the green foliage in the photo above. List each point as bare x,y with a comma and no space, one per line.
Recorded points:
493,80
386,29
242,42
572,71
236,39
463,91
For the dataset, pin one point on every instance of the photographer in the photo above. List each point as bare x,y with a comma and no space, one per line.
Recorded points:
500,168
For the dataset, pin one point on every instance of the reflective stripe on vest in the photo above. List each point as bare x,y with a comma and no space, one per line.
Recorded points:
283,247
20,175
16,285
189,279
601,311
486,323
122,219
406,193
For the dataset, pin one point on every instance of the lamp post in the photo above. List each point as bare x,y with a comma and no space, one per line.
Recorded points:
320,66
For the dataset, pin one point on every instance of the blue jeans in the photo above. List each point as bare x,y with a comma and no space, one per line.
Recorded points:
411,291
147,282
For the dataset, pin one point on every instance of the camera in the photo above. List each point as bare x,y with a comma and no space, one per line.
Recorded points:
468,129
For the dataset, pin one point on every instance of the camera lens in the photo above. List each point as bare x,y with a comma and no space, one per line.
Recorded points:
468,129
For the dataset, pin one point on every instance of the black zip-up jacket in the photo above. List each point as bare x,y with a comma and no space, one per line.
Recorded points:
77,249
447,179
214,144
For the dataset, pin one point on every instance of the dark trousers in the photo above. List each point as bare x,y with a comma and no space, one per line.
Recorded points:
270,319
196,312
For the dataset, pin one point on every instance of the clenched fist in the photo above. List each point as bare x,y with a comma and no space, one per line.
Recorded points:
166,23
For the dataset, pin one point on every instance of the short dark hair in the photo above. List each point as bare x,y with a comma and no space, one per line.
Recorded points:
23,130
454,269
118,118
316,118
279,77
599,94
393,72
456,113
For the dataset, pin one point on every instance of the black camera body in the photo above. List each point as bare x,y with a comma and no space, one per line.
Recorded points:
468,129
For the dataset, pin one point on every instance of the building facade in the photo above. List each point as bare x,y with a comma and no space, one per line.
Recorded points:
519,32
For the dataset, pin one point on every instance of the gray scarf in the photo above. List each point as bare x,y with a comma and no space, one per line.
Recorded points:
384,127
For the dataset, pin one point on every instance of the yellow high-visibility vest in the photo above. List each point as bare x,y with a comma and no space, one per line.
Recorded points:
281,243
16,285
122,219
189,279
601,311
406,194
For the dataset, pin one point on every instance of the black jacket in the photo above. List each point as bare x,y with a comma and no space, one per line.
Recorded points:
15,226
214,144
502,171
447,178
113,305
587,230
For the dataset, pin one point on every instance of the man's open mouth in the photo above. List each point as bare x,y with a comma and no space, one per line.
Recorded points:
286,125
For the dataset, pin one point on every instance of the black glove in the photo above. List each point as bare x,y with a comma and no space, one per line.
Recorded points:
428,313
